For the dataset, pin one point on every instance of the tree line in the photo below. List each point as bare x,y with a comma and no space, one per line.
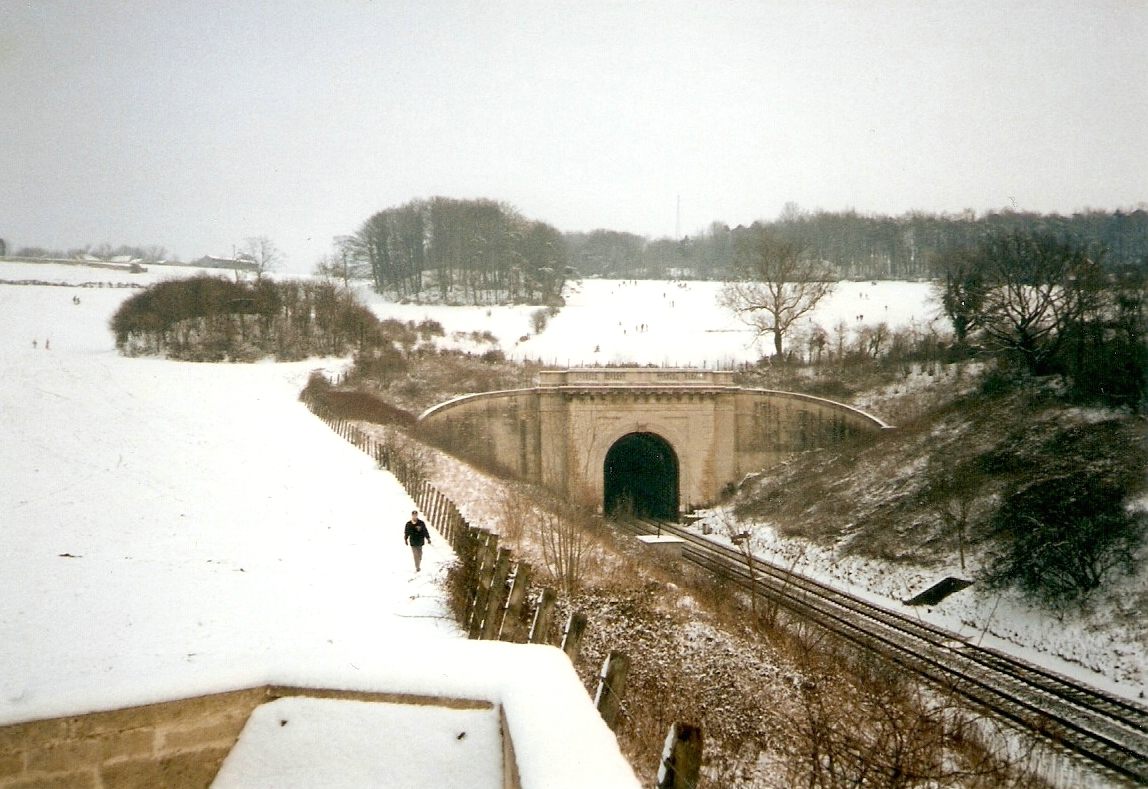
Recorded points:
850,245
471,250
1037,303
149,253
1042,305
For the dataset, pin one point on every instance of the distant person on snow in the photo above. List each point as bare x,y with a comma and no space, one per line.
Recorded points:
414,535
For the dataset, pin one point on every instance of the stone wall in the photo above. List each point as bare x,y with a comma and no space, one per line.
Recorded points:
173,745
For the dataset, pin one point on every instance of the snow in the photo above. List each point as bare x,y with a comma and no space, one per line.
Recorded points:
558,739
172,529
663,323
179,516
303,743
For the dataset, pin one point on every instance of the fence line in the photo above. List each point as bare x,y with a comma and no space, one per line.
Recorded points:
497,586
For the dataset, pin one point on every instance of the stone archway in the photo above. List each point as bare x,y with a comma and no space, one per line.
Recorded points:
641,474
712,433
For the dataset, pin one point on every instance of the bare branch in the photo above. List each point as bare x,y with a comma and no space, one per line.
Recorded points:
775,285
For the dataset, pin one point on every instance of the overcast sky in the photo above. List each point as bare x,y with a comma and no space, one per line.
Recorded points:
193,124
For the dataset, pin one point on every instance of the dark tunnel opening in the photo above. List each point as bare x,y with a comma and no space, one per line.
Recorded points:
641,477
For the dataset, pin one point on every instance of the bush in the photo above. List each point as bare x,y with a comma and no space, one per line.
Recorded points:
566,547
1062,537
208,318
538,320
428,329
999,381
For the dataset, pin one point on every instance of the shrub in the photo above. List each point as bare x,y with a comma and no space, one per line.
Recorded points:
428,328
999,381
208,318
538,320
566,547
1062,537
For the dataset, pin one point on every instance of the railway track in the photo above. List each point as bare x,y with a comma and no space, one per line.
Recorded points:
1107,730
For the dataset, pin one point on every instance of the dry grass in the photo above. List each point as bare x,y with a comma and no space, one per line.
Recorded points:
923,492
427,377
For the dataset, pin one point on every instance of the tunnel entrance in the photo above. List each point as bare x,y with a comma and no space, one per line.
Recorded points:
640,476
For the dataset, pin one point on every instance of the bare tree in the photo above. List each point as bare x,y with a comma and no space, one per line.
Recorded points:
774,284
955,497
345,262
566,548
262,253
962,289
1037,287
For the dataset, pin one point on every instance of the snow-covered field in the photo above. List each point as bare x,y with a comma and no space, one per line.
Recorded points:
664,323
173,518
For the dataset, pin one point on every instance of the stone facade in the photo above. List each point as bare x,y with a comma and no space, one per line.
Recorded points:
558,433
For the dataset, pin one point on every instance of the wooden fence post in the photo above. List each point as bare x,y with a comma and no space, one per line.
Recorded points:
436,508
513,627
681,758
611,686
486,565
496,597
436,513
444,516
572,638
475,546
542,617
472,553
466,546
456,516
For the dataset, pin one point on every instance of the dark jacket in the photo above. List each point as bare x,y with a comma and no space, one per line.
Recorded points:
416,533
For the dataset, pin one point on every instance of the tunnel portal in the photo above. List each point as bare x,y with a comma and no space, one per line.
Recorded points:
640,475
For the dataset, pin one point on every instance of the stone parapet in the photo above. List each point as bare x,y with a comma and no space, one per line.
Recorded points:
171,744
634,376
175,744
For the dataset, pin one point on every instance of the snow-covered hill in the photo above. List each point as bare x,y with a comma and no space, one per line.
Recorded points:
177,519
665,323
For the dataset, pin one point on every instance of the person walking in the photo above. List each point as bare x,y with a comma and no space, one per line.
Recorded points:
414,535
